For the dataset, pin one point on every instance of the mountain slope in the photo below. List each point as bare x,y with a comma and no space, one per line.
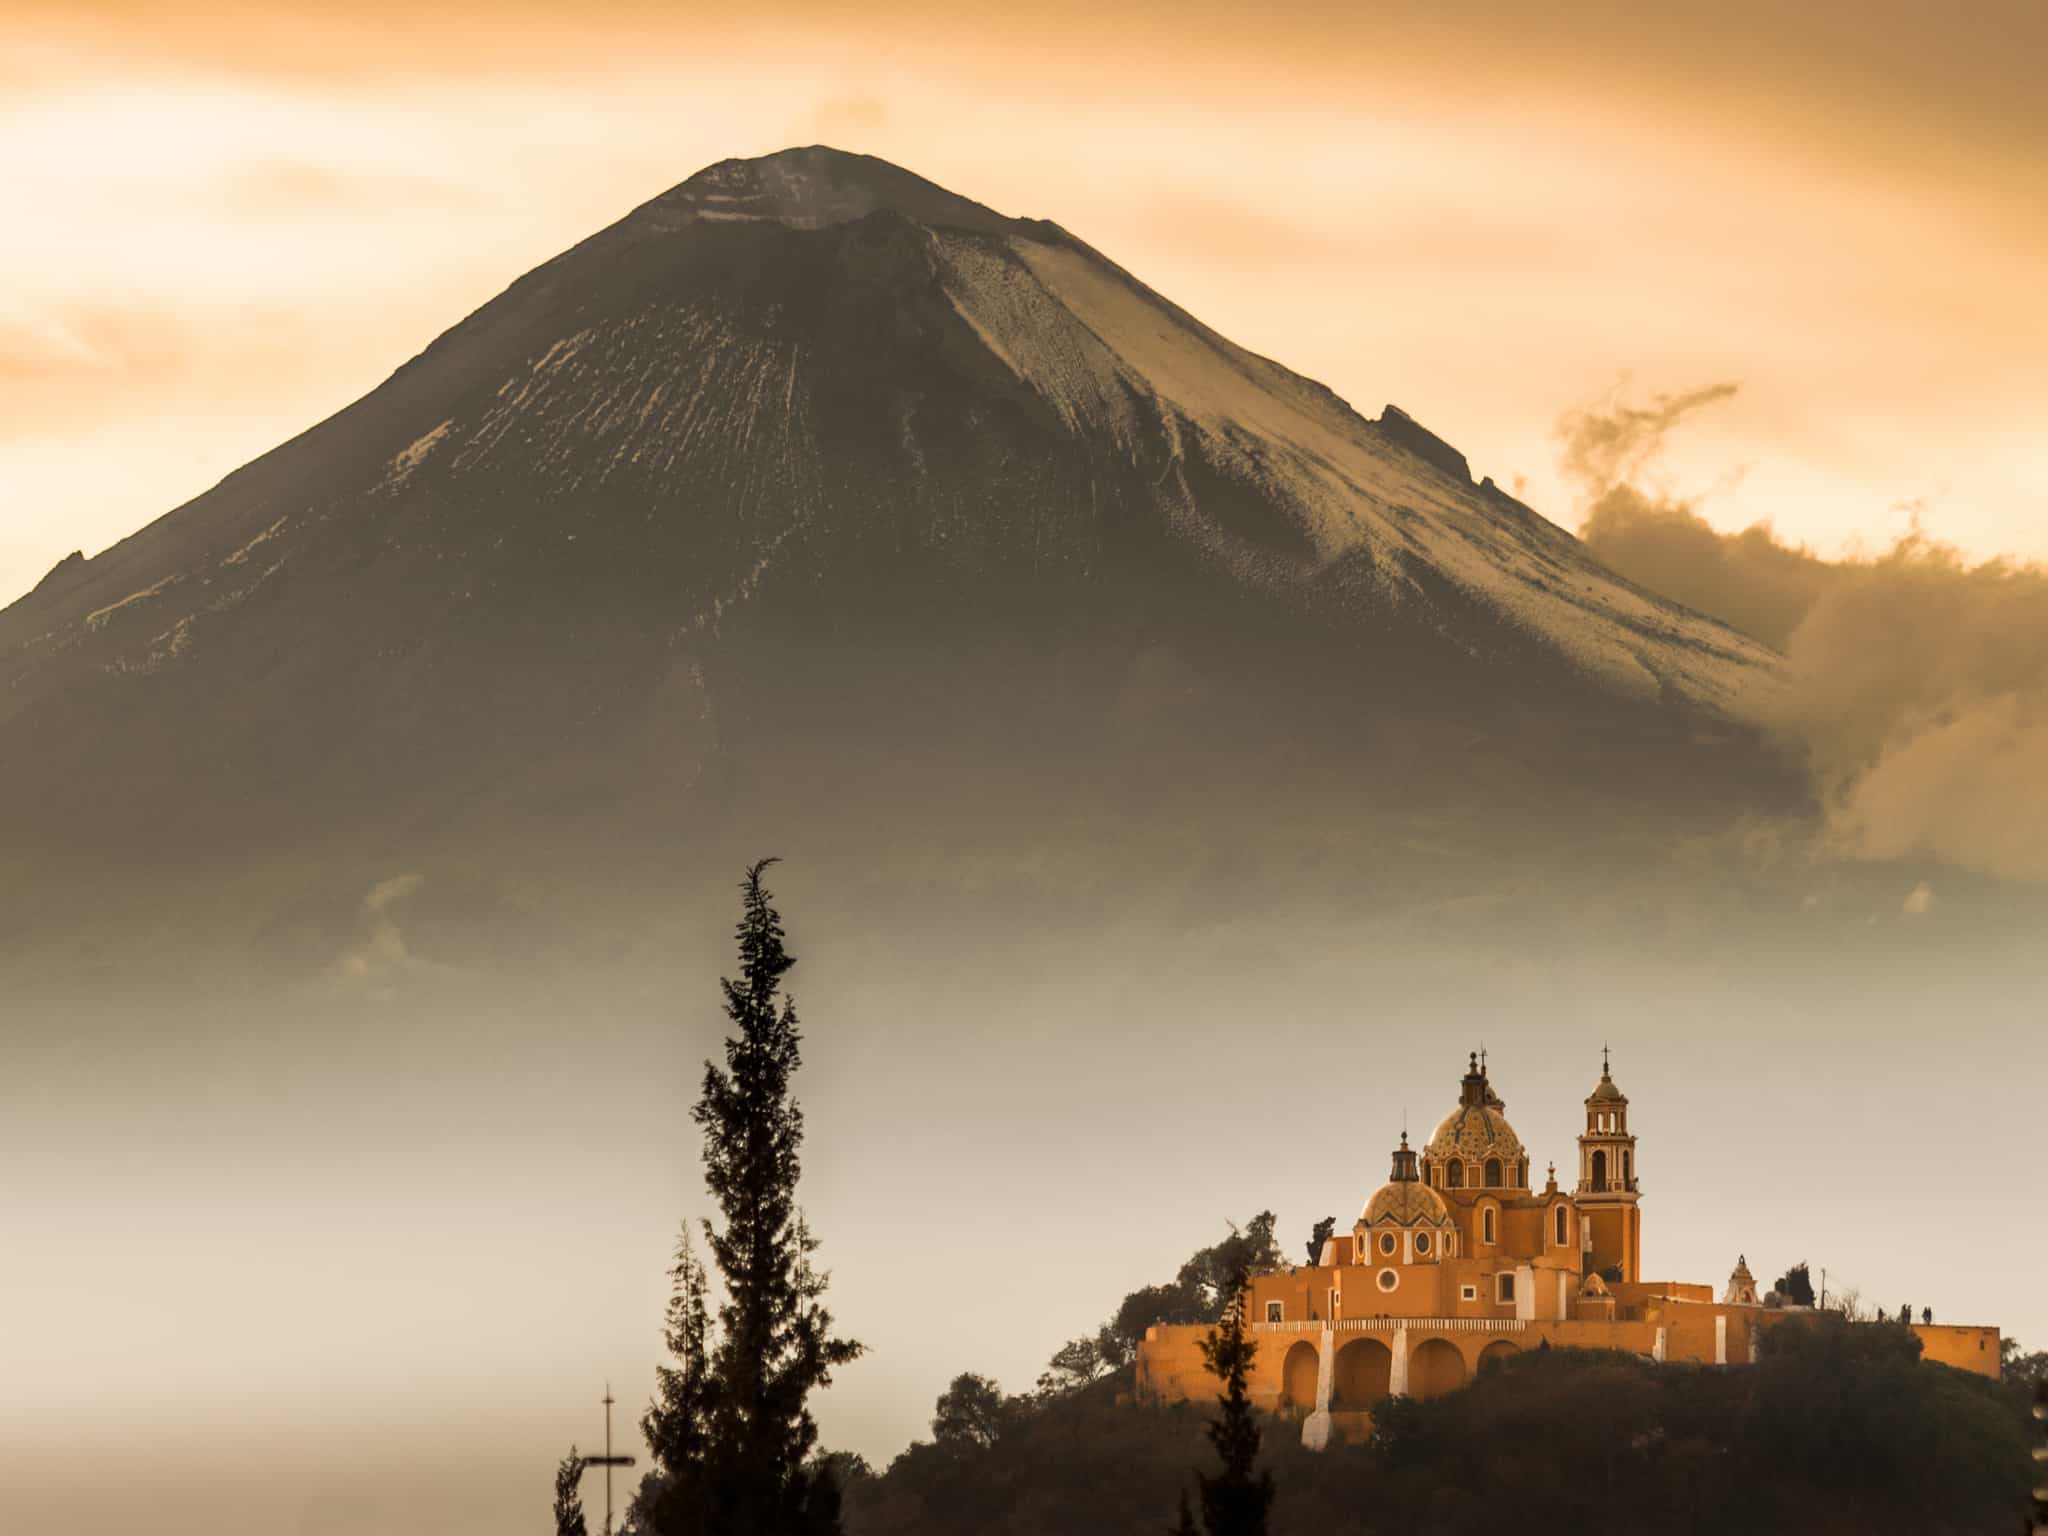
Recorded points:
811,479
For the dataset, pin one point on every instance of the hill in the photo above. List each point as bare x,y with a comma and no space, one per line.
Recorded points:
1842,1432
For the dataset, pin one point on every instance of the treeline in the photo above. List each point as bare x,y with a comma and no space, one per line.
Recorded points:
1839,1429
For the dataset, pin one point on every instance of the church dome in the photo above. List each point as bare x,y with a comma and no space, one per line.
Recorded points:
1408,1204
1477,1129
1475,1132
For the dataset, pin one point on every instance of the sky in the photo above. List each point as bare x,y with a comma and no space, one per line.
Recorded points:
295,1250
228,221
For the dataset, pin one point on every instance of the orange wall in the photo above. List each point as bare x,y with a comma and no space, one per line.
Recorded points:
1966,1348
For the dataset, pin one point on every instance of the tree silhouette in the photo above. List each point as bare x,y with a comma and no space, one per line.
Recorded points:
969,1412
1319,1236
569,1496
1796,1285
730,1426
1236,1499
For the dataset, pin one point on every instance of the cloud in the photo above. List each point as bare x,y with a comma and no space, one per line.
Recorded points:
1654,537
1918,681
381,954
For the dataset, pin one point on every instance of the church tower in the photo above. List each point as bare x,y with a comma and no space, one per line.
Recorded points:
1606,1196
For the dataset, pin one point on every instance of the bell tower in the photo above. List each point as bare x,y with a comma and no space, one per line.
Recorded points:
1606,1196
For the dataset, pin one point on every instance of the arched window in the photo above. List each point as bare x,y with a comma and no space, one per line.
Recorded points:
1600,1170
1386,1242
1560,1227
1457,1175
1486,1225
1628,1167
1422,1242
1493,1173
1522,1174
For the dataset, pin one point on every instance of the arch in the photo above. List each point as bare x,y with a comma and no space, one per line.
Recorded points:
1455,1175
1365,1369
1436,1368
1499,1349
1486,1228
1628,1167
1493,1173
1600,1169
1522,1174
1298,1377
1563,1227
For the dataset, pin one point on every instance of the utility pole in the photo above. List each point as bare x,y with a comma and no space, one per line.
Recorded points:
608,1460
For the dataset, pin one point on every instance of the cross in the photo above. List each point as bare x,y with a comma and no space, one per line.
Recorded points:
608,1460
1482,1058
1605,1070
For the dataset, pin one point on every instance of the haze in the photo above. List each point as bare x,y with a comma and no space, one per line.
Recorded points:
356,1250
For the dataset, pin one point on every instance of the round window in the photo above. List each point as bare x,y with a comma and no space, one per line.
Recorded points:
1388,1279
1386,1242
1422,1242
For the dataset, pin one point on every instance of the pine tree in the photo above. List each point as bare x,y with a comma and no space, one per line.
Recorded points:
569,1496
731,1428
1234,1501
677,1424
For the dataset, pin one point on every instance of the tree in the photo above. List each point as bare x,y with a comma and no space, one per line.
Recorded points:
1114,1350
569,1496
1180,1302
731,1426
1073,1365
1246,1251
2024,1369
1319,1236
678,1422
1235,1500
1796,1286
968,1413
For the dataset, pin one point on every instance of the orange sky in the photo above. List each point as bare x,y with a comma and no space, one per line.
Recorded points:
227,220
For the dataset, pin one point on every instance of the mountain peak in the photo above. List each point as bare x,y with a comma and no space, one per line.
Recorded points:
817,185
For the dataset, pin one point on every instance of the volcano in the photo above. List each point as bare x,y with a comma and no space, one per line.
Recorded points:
813,494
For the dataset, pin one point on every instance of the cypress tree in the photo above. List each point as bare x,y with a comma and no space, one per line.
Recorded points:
677,1424
569,1496
1235,1500
731,1427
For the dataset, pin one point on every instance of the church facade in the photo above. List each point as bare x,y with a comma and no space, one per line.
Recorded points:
1460,1258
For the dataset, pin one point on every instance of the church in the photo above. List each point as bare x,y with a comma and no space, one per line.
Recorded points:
1458,1259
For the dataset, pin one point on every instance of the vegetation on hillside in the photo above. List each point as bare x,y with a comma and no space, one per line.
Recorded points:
1841,1428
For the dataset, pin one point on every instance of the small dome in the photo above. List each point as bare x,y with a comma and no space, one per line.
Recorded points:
1407,1204
1604,1091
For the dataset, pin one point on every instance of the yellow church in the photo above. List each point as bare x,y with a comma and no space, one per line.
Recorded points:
1458,1259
